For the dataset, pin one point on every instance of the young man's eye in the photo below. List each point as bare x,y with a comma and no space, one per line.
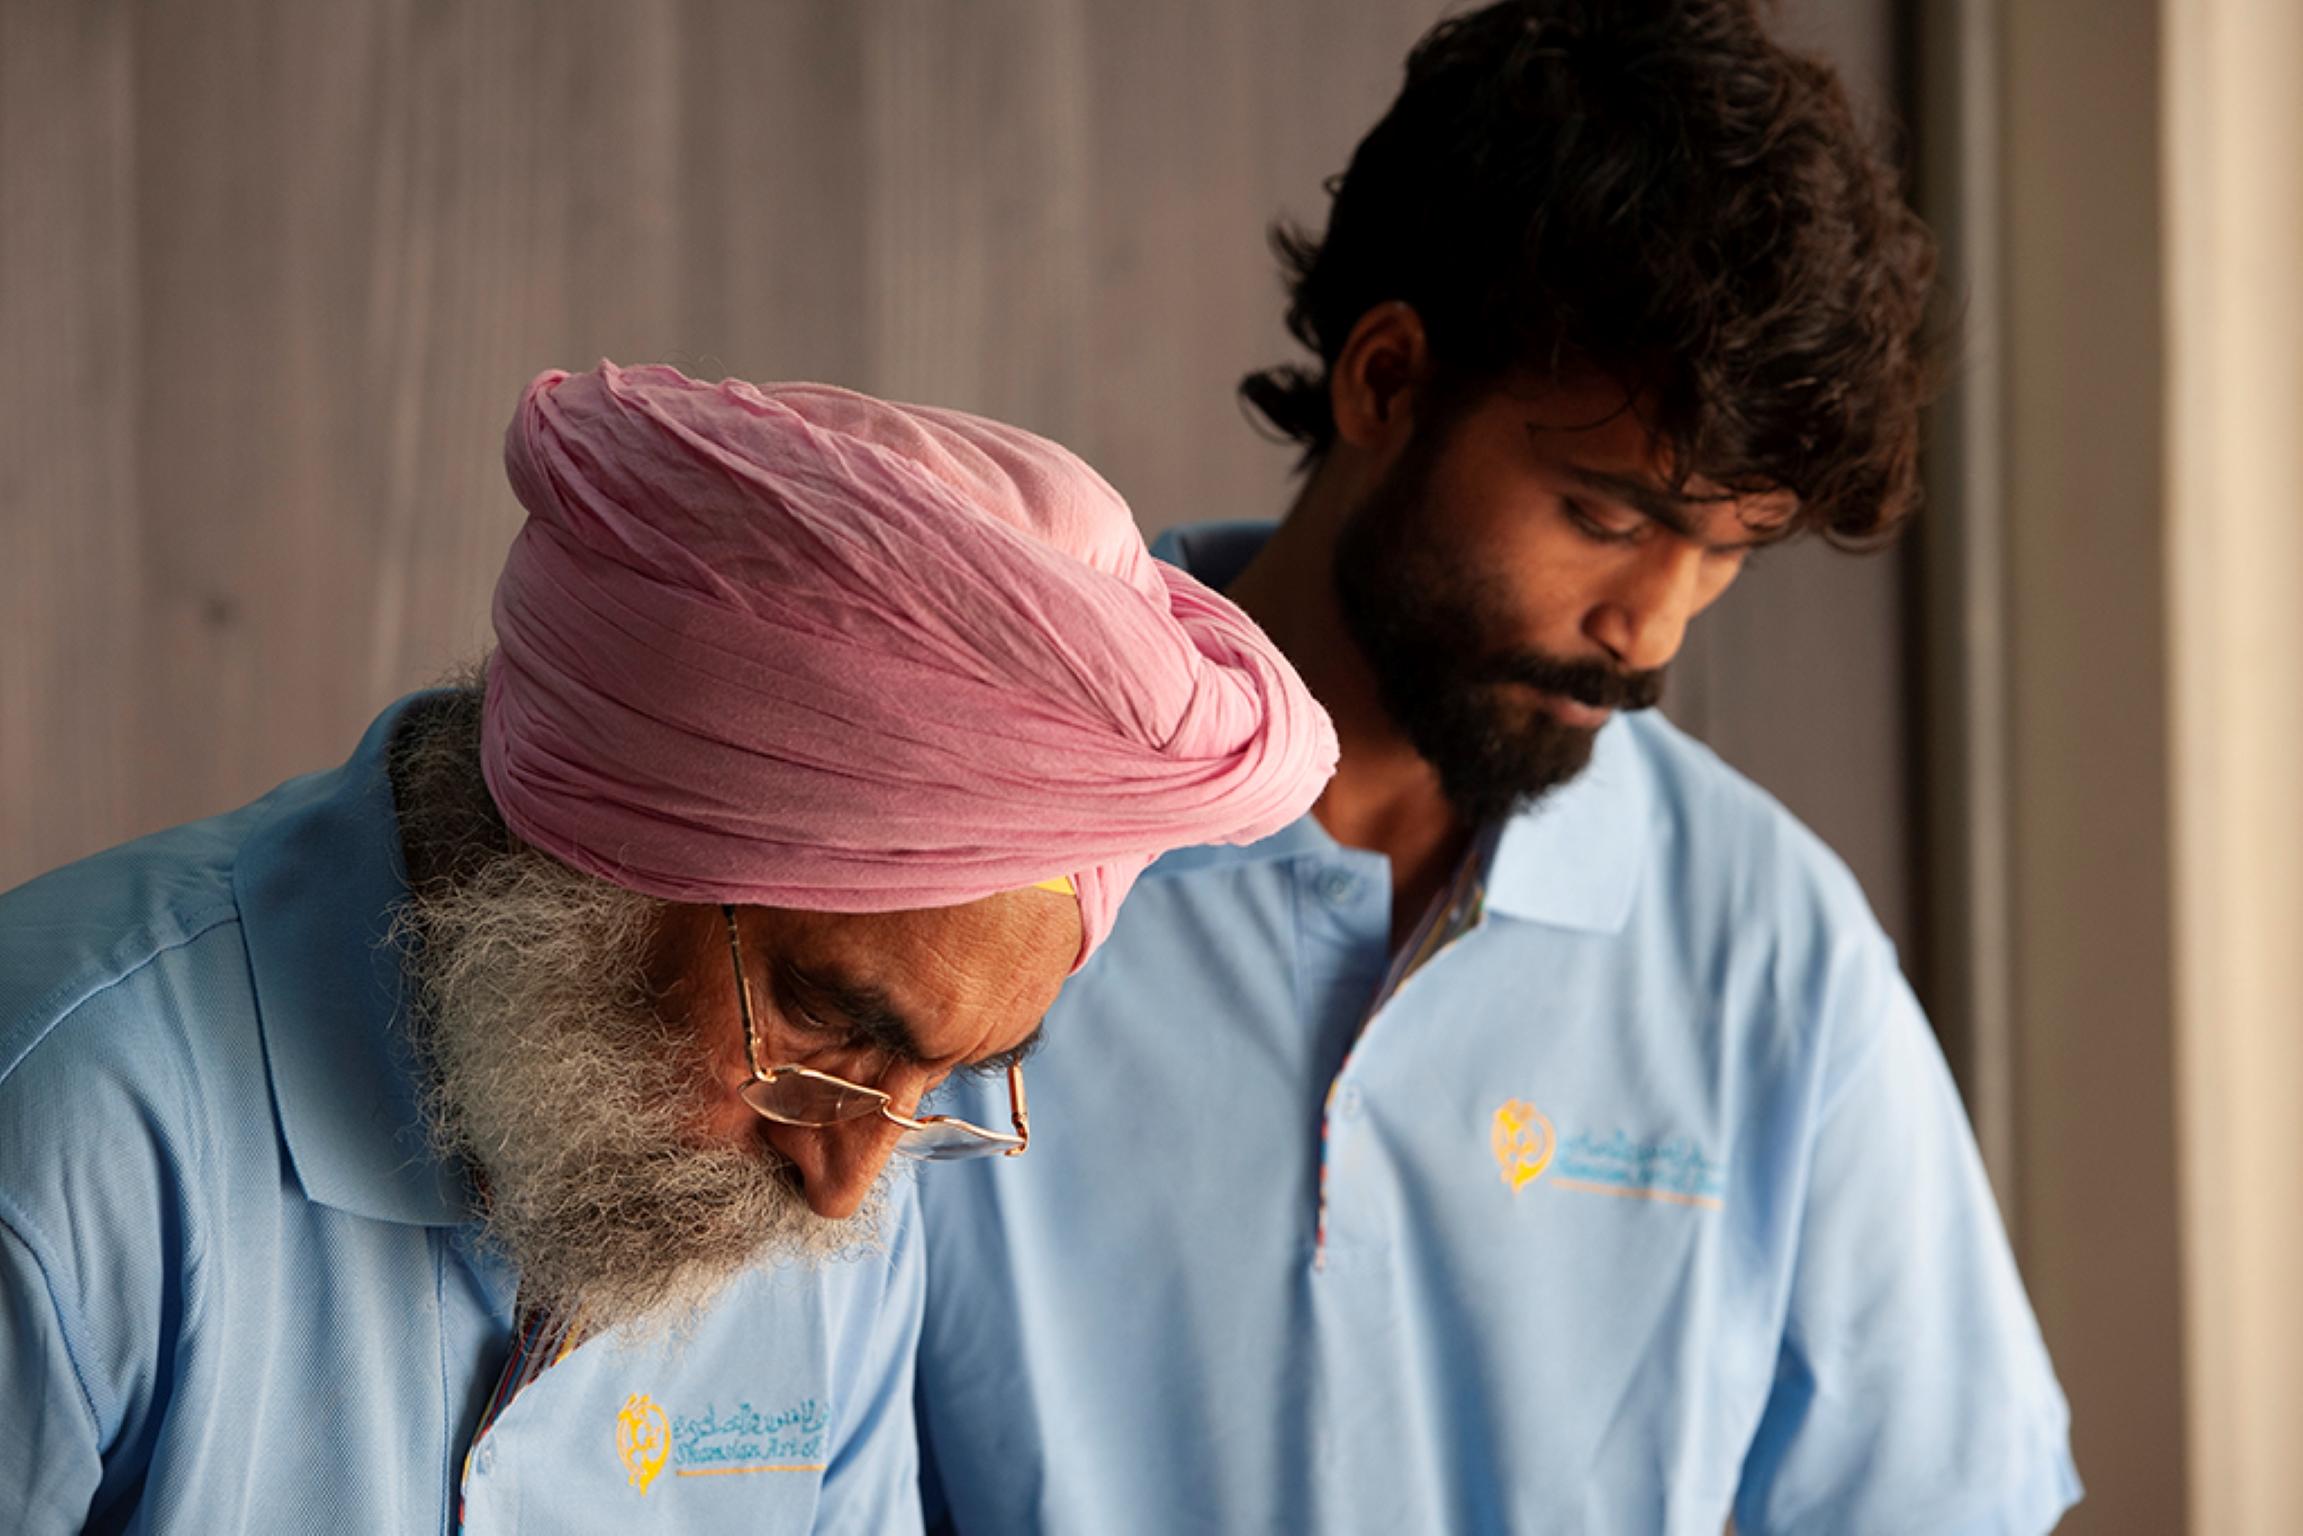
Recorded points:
1625,529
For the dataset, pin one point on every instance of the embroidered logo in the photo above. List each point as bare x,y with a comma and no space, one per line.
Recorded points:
643,1439
1673,1170
722,1440
1523,1141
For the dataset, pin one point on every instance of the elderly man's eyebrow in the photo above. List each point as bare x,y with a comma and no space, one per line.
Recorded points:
1014,1056
865,1010
1661,506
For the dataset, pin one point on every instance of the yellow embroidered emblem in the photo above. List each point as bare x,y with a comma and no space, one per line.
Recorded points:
643,1439
1523,1141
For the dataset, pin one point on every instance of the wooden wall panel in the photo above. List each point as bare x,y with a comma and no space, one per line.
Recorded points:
289,266
262,427
770,186
70,603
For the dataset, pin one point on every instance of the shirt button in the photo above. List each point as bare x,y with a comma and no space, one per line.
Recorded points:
486,1460
1338,888
1347,1101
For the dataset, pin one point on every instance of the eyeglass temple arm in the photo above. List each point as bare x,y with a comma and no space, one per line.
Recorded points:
1019,1111
743,990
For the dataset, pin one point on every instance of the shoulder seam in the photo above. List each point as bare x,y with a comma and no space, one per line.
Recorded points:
69,996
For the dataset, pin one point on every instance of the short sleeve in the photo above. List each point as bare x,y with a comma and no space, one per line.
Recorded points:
1912,1391
50,1464
872,1485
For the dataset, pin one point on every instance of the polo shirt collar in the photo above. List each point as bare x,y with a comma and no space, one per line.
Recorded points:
317,883
1572,861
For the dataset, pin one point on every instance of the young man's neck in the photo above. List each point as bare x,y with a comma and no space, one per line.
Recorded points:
1384,796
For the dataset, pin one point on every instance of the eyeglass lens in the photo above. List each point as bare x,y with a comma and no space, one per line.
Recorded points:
797,1100
945,1141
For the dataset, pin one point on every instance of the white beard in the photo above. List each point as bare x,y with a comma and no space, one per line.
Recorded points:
552,1076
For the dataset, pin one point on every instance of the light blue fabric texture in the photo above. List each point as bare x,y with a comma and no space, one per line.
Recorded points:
1648,1201
237,1293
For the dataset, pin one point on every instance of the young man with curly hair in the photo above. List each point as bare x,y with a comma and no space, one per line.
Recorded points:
1539,1136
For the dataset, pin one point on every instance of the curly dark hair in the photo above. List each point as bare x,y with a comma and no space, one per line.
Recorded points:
1656,190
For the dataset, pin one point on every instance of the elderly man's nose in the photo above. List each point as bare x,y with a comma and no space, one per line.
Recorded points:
852,1156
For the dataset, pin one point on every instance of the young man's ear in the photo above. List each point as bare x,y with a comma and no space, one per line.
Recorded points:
1372,387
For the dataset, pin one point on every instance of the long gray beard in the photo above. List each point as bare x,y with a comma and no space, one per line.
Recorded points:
552,1074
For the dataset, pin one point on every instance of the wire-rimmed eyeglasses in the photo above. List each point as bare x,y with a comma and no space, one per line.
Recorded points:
795,1095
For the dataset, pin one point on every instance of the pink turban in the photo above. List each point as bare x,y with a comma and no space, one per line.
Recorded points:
792,646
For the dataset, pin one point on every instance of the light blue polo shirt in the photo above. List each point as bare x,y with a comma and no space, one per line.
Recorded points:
237,1294
1647,1201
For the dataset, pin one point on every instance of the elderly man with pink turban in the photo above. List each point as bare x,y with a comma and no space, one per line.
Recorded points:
491,1134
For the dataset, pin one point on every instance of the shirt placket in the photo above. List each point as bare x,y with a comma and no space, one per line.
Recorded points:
541,1339
1356,923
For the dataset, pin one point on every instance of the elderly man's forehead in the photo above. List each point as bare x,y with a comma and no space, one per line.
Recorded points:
937,958
1005,918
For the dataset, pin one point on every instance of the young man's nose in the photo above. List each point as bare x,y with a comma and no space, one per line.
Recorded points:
1642,618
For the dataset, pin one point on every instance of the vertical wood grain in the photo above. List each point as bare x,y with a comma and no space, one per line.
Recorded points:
261,444
304,257
770,179
70,605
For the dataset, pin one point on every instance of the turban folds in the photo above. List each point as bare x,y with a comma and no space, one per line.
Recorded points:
791,646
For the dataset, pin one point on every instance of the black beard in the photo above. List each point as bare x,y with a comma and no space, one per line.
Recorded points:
1429,627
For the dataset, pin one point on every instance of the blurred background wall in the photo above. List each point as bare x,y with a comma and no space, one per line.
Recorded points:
272,275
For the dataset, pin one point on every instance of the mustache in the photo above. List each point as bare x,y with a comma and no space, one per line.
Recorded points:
1590,683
